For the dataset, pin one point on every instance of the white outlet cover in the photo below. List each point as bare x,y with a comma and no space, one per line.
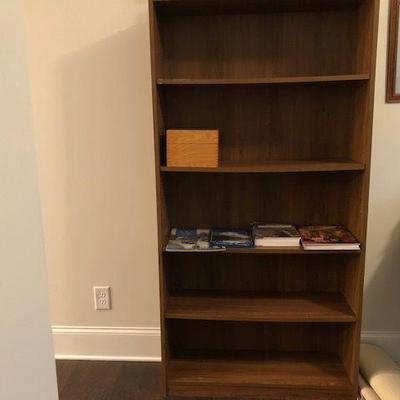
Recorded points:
102,297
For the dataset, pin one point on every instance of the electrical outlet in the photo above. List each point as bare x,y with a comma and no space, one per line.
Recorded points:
102,297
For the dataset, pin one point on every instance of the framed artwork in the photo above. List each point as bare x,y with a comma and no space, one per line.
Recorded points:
393,67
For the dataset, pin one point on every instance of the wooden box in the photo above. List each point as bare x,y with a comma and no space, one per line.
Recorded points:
192,148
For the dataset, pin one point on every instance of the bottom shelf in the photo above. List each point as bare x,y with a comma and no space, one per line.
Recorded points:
276,374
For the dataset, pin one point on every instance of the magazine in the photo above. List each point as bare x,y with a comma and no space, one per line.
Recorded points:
186,240
230,238
328,238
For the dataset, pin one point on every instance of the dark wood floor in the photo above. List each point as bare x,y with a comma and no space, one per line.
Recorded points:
105,380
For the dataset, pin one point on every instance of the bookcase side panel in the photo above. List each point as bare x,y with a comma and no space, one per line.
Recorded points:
162,221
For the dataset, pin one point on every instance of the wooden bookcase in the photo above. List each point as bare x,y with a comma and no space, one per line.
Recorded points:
290,86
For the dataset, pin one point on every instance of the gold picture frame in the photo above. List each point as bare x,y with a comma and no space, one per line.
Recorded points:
393,67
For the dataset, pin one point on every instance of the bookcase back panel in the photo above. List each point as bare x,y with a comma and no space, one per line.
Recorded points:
235,273
272,122
271,44
216,336
237,200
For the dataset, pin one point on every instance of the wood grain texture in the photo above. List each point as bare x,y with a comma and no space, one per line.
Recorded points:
163,228
202,392
277,166
236,200
301,307
287,250
210,338
192,148
257,273
215,7
260,124
290,86
258,45
301,371
281,250
265,81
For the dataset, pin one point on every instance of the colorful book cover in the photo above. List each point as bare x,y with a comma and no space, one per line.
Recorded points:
322,235
230,238
189,239
275,231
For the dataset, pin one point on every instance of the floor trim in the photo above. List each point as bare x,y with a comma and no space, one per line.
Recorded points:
142,344
107,343
84,357
388,340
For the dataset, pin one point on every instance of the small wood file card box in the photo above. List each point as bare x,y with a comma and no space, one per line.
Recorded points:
192,148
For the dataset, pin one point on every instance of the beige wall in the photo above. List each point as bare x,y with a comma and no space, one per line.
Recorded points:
27,369
382,288
89,62
90,74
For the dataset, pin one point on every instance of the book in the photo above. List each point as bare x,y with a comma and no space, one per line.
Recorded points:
328,238
275,235
229,238
190,240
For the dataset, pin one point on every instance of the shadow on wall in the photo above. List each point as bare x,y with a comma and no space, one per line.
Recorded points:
109,165
383,287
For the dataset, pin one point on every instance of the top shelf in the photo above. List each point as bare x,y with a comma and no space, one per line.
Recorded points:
276,167
207,7
263,81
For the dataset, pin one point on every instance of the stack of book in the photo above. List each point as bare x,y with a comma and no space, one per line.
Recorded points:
262,236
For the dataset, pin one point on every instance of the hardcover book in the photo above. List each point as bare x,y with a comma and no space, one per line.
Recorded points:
328,238
275,235
230,238
182,240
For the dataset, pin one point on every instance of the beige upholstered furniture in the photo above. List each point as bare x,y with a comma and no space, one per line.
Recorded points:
381,373
366,391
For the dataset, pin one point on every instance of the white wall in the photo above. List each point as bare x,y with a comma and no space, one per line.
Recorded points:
26,359
90,71
382,284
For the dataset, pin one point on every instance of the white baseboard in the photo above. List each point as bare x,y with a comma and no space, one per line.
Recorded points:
143,344
106,343
388,340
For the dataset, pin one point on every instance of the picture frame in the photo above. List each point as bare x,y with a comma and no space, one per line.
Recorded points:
393,67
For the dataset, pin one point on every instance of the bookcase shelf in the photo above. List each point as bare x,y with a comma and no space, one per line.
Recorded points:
299,307
274,250
207,7
275,167
252,375
265,81
287,250
289,84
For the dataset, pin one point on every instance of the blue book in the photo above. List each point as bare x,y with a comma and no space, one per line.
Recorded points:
230,238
